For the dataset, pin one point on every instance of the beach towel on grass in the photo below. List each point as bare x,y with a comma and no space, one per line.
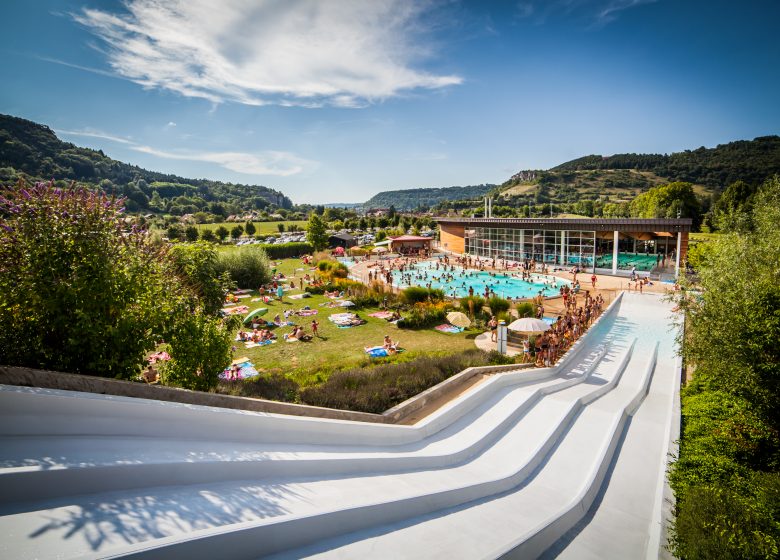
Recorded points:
300,296
381,314
282,324
451,329
242,291
251,344
243,296
307,312
240,310
381,351
247,371
336,317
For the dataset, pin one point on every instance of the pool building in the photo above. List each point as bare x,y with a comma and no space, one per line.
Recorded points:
603,245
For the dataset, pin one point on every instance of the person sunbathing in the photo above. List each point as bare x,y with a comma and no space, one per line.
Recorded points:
301,335
389,345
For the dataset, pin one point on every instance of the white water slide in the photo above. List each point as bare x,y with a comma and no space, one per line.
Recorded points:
561,462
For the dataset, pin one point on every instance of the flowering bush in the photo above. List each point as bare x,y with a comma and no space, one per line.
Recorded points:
80,289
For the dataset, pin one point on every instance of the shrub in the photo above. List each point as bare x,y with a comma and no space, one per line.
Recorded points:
498,305
722,501
198,265
525,309
247,266
379,388
275,387
424,315
82,292
419,294
191,233
332,269
721,523
199,346
208,235
472,305
222,233
236,232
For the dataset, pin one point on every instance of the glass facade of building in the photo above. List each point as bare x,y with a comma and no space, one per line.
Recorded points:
564,247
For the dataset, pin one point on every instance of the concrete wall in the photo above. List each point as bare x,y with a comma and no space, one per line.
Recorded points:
27,377
453,238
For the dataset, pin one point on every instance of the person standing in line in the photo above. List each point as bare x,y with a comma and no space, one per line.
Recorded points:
493,326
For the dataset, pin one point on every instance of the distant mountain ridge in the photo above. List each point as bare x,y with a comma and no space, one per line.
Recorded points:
33,151
751,161
411,199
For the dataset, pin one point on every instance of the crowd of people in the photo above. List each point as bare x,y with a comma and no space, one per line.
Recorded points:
567,328
458,275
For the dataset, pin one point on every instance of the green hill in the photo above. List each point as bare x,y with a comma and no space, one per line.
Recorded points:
600,185
412,199
32,151
751,161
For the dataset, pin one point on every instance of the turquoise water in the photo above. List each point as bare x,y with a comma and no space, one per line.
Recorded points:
504,285
349,261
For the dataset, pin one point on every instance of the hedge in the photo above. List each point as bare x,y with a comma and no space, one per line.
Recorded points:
287,250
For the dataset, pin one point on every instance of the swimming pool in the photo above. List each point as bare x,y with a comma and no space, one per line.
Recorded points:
349,261
504,285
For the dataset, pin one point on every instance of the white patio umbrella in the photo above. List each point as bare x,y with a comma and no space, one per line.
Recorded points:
346,303
528,325
458,319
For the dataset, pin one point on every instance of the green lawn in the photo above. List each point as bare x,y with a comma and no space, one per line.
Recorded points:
263,228
312,362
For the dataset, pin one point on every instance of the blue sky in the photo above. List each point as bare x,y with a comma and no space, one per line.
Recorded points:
335,101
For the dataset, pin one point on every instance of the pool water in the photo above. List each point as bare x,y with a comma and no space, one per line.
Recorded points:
349,261
504,285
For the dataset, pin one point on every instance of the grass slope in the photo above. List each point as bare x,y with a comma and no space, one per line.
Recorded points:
310,363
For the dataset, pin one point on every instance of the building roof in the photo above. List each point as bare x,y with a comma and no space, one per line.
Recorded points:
410,238
344,236
587,224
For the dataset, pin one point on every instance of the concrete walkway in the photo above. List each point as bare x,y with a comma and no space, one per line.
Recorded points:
511,467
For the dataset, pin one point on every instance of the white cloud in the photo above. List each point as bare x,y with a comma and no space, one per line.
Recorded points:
267,162
170,124
298,52
597,13
94,134
270,162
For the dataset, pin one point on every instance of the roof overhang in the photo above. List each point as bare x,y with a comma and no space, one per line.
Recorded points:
625,225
